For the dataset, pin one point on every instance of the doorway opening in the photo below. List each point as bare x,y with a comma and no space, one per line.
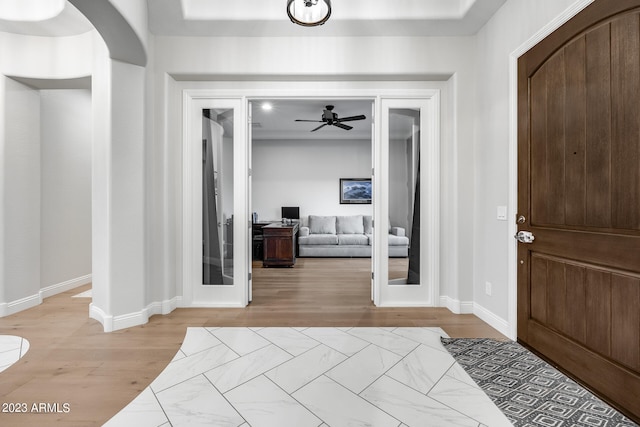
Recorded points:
49,169
303,159
345,215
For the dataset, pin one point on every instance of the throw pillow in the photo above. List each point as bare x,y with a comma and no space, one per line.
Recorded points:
368,224
351,224
322,224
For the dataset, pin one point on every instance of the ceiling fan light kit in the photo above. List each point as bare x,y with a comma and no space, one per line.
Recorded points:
329,118
309,13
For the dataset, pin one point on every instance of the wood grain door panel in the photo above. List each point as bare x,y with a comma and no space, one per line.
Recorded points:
592,306
579,188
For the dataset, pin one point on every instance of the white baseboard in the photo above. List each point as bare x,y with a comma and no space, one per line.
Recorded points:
496,322
129,320
470,307
9,308
113,323
65,286
12,307
106,320
456,306
162,307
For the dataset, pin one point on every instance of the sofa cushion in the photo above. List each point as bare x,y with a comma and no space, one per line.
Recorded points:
318,239
351,224
368,224
322,224
393,240
398,240
353,239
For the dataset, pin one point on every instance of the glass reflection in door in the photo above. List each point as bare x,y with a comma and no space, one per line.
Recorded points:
404,196
217,197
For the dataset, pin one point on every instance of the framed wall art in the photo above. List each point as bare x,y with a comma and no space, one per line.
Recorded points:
355,191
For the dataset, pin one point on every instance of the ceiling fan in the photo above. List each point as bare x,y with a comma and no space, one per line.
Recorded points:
329,118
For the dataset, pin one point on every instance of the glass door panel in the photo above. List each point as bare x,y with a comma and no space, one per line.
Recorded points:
215,207
217,197
404,196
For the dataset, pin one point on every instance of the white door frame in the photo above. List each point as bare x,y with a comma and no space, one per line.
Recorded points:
194,100
249,252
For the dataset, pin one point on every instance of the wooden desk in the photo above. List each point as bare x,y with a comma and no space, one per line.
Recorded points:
279,244
258,239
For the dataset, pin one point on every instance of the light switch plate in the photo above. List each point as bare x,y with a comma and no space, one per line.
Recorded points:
487,288
502,213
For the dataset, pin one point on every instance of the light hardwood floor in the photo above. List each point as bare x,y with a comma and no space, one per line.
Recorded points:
72,361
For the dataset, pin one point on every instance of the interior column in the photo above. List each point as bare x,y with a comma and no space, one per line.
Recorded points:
118,195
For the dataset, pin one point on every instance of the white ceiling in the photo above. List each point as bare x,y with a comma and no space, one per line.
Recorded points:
348,18
263,18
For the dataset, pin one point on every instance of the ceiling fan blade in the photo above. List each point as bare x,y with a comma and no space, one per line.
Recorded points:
351,118
321,126
314,121
340,125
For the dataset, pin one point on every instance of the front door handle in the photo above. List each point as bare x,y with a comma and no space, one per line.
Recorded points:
525,237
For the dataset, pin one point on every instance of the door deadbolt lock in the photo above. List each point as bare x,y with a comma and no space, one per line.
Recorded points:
525,237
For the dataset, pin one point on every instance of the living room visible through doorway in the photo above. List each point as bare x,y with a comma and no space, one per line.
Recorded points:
303,154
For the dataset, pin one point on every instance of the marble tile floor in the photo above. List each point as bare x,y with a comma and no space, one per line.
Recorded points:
12,348
316,377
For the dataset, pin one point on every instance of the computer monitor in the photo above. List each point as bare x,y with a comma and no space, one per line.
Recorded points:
291,212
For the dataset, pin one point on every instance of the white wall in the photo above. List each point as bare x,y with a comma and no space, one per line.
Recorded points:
125,195
306,173
21,194
65,137
47,193
42,62
46,57
511,26
242,64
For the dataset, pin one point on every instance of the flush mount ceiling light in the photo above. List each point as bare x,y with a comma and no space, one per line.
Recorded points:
309,13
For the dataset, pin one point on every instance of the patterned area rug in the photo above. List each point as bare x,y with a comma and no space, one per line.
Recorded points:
529,391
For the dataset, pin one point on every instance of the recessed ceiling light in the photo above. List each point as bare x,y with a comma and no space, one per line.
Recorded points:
266,106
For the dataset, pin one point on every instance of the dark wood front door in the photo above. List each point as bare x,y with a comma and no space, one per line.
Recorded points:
579,194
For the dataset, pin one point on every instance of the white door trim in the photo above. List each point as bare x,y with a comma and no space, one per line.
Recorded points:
192,99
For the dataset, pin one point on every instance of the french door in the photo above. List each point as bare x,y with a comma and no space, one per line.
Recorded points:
217,201
215,186
406,201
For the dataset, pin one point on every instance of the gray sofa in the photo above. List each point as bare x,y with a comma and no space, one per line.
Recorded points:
345,236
